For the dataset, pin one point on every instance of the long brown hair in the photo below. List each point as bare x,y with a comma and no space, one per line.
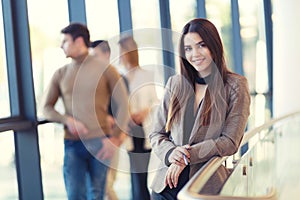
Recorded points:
130,48
215,92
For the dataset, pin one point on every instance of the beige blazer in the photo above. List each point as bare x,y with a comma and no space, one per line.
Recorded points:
221,138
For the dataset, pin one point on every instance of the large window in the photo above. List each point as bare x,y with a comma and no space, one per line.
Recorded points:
52,153
45,41
254,44
255,57
4,97
8,177
181,12
147,33
98,12
102,19
218,11
48,17
47,56
140,12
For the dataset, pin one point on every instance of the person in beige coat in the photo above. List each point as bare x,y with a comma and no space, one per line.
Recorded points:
203,113
101,49
142,96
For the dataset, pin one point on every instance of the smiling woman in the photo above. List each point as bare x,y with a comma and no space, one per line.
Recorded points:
197,119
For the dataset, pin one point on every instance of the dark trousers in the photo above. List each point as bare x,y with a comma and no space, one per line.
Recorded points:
171,194
139,160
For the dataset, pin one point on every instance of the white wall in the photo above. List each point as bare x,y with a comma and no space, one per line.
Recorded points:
286,29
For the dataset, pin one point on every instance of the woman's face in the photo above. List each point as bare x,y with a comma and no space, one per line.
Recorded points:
197,53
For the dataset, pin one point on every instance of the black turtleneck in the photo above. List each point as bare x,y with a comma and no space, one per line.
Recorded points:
202,80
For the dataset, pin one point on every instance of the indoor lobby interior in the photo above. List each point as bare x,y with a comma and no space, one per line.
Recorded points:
261,40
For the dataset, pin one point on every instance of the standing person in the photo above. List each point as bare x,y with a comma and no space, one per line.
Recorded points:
101,49
203,113
85,86
142,96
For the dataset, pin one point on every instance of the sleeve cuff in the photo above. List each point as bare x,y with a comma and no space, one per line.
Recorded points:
167,156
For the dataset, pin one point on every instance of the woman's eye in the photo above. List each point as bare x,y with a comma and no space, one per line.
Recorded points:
187,48
202,45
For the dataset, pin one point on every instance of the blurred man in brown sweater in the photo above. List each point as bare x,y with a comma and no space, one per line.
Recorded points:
86,86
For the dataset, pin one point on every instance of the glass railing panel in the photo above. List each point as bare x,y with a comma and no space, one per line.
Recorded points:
237,182
288,159
253,176
268,170
262,180
274,161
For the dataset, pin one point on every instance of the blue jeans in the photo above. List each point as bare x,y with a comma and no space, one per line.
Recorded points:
84,175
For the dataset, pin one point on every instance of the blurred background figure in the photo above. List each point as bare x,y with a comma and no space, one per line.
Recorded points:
101,49
142,96
89,142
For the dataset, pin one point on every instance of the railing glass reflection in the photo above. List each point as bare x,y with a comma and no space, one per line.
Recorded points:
268,170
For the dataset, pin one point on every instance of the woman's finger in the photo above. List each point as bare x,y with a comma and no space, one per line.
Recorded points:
184,151
169,180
